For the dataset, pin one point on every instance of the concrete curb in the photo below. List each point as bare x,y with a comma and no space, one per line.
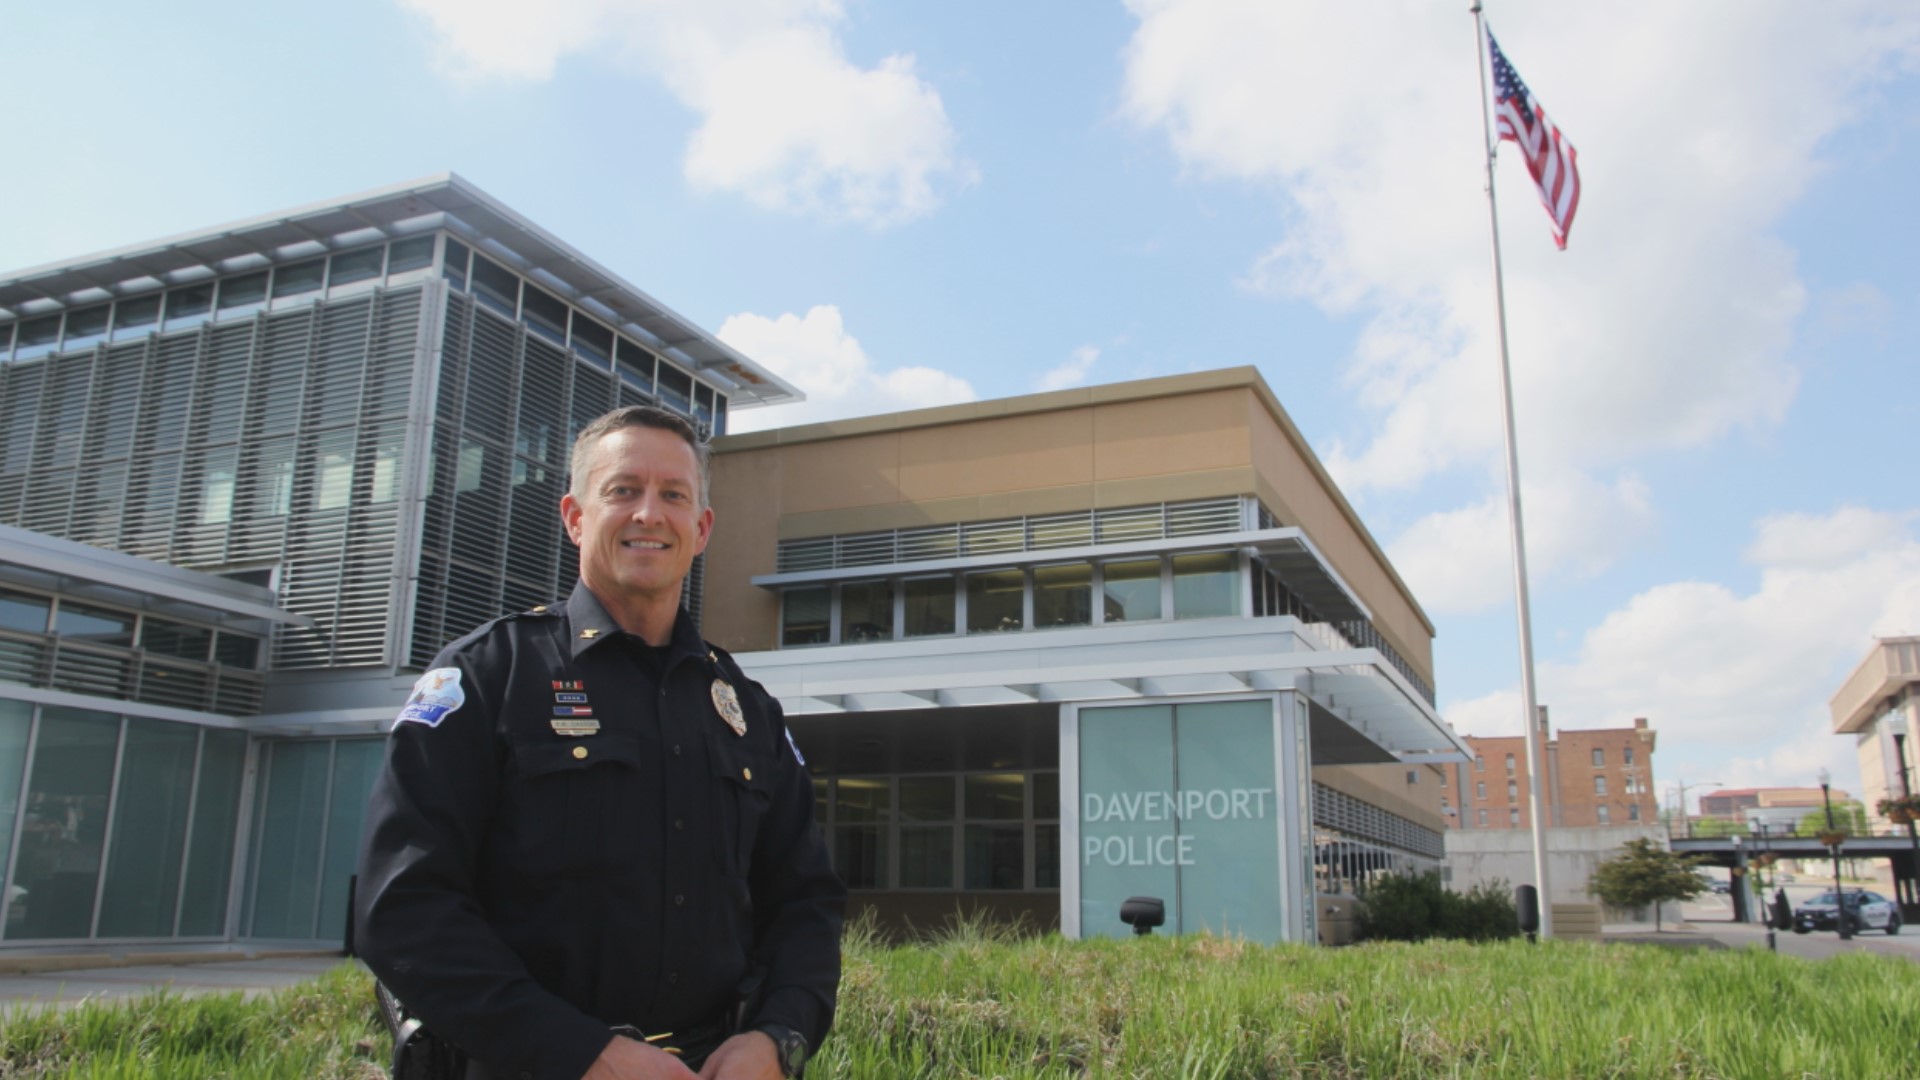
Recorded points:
40,965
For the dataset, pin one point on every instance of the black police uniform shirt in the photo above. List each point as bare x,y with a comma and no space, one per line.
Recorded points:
567,834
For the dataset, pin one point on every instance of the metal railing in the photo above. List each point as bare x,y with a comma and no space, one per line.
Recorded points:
49,661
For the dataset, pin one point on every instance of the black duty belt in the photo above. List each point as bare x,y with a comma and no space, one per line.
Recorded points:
693,1041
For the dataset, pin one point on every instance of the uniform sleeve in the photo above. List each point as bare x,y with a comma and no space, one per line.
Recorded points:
799,903
417,923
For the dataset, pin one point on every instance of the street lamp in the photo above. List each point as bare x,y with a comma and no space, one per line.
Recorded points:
1766,860
1833,837
1685,821
1913,837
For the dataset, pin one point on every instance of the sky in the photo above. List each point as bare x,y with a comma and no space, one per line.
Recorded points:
904,205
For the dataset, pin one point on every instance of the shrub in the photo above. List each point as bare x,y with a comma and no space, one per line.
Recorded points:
1415,907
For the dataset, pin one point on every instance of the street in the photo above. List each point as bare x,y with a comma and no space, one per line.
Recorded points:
1711,915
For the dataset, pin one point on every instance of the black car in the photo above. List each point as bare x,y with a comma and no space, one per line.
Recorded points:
1863,910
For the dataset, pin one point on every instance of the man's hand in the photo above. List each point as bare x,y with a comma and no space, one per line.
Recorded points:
749,1055
628,1059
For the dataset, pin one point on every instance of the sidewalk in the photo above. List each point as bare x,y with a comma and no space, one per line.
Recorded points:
1709,934
59,981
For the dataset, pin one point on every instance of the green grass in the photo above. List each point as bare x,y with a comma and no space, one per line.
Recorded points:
980,1005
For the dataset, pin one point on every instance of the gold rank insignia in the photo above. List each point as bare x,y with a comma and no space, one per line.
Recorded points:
589,633
728,704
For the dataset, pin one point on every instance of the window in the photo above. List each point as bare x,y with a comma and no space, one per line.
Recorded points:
236,651
676,389
545,314
866,612
1633,811
862,809
1599,785
418,252
1513,817
926,832
24,612
1513,790
297,278
357,266
1480,790
1626,756
592,339
1130,591
996,601
1063,595
995,849
1603,814
930,604
495,286
86,326
1203,585
132,317
805,615
37,337
98,625
1509,762
1599,757
240,295
1443,776
189,306
1479,763
175,639
1413,776
1483,819
635,366
456,265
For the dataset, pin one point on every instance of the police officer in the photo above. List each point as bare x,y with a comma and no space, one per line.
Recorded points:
590,818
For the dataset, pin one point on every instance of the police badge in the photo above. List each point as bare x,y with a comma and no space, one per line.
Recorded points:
728,704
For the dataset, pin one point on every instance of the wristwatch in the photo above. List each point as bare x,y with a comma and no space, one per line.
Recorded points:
789,1046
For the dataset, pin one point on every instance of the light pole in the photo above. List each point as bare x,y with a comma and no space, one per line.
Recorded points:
1685,821
1766,860
1839,897
1913,836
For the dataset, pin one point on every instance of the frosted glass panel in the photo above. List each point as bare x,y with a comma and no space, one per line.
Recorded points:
1124,851
66,825
149,830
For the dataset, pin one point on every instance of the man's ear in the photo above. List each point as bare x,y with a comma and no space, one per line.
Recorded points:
570,517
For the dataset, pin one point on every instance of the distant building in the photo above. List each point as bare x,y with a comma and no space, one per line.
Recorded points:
1601,776
1737,804
1879,705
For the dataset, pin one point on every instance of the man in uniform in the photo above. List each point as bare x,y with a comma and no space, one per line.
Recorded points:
589,818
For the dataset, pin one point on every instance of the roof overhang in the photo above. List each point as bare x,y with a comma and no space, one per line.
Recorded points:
1288,550
1892,666
1381,716
444,201
75,569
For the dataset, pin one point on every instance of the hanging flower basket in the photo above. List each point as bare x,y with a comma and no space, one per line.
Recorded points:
1901,810
1834,838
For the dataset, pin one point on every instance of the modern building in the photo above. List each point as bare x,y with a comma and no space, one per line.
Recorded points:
1879,706
1599,776
1042,653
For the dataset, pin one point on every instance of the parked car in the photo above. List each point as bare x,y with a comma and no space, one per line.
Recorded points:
1864,911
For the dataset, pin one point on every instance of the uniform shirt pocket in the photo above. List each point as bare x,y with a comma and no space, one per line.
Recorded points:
575,803
742,795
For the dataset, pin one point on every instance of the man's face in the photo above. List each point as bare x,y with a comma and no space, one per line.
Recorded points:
637,518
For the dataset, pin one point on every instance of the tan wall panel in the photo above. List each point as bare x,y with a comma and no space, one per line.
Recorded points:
863,470
736,614
997,454
1190,433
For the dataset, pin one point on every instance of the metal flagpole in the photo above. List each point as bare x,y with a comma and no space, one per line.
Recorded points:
1536,772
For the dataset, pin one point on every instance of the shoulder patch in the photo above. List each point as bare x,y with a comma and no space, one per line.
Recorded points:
436,695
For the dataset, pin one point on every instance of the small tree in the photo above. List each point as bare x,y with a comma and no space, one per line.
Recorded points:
1848,817
1646,873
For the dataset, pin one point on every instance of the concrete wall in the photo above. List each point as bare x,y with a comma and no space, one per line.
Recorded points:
1479,856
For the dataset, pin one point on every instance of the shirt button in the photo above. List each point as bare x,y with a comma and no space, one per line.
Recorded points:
679,823
676,749
679,899
580,752
673,976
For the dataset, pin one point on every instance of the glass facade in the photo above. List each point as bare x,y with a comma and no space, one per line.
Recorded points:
306,834
124,825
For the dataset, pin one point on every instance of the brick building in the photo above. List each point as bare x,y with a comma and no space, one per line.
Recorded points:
1600,776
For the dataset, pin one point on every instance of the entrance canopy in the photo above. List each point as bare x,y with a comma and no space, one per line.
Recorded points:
1364,705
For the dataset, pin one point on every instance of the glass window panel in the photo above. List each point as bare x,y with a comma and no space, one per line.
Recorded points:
333,476
1204,585
471,468
545,314
719,413
149,830
1131,590
135,316
866,612
995,601
496,286
703,405
188,306
287,841
997,796
302,277
635,366
85,327
1063,595
355,763
858,800
175,639
996,857
929,606
860,856
237,650
456,264
66,823
926,857
243,291
1046,795
216,817
926,798
676,388
1230,875
37,337
1046,856
16,718
806,615
355,266
592,339
24,612
1123,750
216,487
93,624
413,254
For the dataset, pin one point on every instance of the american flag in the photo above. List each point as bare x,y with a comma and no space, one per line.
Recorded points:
1518,117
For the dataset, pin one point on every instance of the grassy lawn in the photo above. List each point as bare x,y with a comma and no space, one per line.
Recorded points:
1193,1008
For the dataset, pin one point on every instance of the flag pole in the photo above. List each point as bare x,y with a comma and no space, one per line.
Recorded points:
1536,758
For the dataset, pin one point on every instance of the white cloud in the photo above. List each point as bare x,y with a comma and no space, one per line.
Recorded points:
1667,322
787,119
1713,669
1071,372
817,354
1459,561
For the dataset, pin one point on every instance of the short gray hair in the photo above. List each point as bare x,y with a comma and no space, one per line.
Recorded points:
636,416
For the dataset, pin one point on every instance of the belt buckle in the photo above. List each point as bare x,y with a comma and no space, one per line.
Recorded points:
637,1035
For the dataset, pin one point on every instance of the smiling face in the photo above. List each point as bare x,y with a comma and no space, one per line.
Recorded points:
638,520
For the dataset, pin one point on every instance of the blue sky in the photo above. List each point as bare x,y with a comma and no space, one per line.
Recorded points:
910,204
